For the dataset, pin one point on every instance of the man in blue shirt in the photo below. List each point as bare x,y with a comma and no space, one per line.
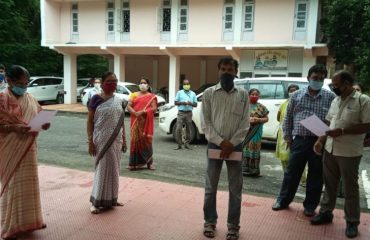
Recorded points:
185,101
304,103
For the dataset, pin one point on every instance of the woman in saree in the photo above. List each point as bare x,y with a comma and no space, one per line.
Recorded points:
106,137
142,106
20,195
252,143
282,150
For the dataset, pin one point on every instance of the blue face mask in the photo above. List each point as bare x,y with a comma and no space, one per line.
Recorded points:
316,85
19,90
2,77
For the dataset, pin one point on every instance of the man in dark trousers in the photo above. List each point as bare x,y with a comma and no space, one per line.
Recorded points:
303,104
349,117
185,101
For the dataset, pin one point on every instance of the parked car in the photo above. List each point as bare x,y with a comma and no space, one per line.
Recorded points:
274,91
204,87
46,88
124,89
82,83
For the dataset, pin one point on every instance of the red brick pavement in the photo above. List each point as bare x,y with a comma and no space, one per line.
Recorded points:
156,210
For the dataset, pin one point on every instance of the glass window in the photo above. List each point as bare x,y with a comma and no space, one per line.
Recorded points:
229,12
248,15
121,90
133,88
166,25
183,18
267,90
301,15
279,94
74,12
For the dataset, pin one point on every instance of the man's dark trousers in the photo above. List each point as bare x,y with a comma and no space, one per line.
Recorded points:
302,152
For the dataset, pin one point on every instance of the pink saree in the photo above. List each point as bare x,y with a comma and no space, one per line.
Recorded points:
20,196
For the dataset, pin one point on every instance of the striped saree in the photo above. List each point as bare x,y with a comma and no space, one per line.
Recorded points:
20,196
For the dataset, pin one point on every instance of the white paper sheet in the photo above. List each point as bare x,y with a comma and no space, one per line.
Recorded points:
315,125
215,154
40,119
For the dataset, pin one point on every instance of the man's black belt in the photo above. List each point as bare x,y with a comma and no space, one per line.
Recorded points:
184,111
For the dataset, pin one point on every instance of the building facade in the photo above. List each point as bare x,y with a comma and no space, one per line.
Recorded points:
166,40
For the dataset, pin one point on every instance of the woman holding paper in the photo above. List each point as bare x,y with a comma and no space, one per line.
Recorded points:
20,194
252,149
106,136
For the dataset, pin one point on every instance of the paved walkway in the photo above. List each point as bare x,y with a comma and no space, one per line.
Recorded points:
76,107
155,210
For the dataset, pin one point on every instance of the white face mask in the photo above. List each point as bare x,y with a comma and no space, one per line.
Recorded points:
97,85
291,94
143,87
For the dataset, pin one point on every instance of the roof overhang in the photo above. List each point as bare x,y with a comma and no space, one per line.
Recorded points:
182,50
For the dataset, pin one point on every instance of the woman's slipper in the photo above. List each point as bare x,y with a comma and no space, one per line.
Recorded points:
118,204
209,230
94,210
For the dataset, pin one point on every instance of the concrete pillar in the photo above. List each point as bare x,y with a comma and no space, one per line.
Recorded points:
111,64
119,67
174,78
70,78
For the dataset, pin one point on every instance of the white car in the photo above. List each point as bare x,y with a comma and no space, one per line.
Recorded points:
46,88
123,91
274,91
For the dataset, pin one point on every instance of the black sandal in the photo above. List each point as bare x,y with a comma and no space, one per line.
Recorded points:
232,234
209,230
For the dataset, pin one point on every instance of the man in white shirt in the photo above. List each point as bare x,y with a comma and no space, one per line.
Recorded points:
349,117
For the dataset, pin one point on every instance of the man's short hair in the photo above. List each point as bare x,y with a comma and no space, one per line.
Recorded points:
228,61
345,76
2,66
318,68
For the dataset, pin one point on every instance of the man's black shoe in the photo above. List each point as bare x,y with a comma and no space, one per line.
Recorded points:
278,206
322,218
351,230
308,212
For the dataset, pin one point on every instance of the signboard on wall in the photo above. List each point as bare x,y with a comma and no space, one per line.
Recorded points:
271,59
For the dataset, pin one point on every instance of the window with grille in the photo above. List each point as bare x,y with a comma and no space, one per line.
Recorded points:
110,16
74,15
166,16
248,15
183,21
126,16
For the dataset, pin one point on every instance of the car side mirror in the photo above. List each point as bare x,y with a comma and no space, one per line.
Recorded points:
34,85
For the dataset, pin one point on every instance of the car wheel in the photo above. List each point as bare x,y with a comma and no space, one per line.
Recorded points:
193,132
60,99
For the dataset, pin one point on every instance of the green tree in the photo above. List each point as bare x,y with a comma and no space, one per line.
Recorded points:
346,25
20,29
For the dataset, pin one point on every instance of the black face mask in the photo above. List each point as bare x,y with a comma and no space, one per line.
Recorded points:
337,90
227,81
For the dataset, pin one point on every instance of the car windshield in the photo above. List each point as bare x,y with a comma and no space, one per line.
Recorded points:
133,88
82,83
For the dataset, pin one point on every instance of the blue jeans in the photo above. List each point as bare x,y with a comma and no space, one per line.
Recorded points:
302,152
235,178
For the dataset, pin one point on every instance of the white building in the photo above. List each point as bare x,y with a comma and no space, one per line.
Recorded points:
166,40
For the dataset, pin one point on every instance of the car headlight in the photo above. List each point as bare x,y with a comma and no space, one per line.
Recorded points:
166,107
